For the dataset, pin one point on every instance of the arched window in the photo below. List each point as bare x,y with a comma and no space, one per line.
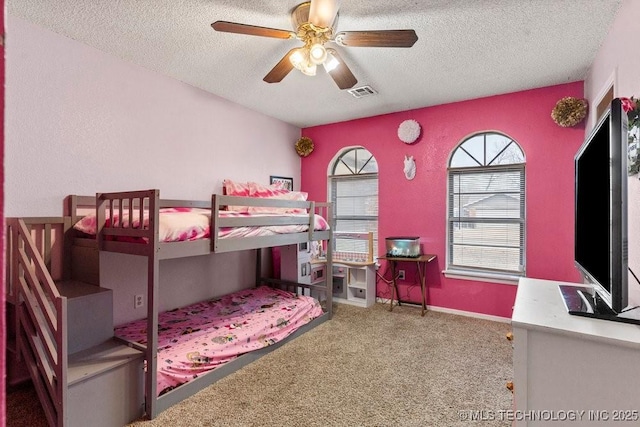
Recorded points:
353,179
486,206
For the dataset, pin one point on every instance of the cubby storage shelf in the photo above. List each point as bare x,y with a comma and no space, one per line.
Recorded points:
354,284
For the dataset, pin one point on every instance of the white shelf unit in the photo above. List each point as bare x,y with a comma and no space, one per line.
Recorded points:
355,284
354,273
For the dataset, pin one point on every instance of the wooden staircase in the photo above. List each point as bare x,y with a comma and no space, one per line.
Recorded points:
60,332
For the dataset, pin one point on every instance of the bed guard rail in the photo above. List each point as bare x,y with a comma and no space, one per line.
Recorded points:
222,202
137,207
141,209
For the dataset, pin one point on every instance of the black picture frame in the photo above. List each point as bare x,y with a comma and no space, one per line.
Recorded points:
286,182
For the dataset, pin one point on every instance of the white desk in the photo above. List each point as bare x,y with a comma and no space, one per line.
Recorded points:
563,362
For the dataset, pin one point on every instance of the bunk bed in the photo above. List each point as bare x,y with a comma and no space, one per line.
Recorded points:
46,292
277,222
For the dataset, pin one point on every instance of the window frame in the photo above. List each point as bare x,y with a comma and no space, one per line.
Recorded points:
461,271
356,174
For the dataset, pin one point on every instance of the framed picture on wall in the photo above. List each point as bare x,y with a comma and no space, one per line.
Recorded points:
285,182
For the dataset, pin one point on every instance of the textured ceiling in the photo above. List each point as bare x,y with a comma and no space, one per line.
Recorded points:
466,48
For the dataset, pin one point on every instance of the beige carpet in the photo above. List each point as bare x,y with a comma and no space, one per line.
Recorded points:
366,367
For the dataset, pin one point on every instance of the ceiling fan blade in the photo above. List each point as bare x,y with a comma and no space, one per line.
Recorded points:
252,30
342,75
381,38
281,69
322,13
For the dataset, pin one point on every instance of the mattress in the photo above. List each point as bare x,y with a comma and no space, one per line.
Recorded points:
184,224
196,339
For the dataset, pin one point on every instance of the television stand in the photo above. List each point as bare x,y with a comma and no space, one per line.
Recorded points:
571,363
585,301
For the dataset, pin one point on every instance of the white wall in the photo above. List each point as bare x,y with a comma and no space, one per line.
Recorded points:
618,59
618,62
80,121
182,281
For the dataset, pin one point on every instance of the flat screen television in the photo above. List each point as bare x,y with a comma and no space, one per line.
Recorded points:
601,242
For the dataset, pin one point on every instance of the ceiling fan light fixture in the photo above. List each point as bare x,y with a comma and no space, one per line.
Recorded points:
323,12
317,53
331,63
301,59
297,58
309,69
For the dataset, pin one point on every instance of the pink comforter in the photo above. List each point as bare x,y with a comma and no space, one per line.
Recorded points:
181,224
195,339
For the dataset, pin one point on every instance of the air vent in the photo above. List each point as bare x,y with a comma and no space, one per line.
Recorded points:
362,91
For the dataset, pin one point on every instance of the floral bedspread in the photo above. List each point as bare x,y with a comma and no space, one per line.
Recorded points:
182,224
198,338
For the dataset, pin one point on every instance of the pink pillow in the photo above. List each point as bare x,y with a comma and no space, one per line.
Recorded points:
240,189
87,225
274,191
267,191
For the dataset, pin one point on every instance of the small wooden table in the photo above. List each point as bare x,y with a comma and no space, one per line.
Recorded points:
421,265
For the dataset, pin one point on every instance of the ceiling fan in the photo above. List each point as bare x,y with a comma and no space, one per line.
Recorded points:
314,23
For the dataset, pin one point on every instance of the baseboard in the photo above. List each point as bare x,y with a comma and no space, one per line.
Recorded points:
453,311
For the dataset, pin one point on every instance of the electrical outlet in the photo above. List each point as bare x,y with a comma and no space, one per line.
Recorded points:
138,301
401,274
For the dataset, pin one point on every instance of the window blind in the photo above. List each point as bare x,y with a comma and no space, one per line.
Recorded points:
355,209
486,219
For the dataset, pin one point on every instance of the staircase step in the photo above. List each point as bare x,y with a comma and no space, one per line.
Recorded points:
106,385
105,356
90,314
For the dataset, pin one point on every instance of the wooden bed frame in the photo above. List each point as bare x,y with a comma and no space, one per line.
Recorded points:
82,257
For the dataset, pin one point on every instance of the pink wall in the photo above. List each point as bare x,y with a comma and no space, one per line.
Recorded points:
418,207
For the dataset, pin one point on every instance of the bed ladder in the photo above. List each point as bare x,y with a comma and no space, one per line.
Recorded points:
40,332
69,358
